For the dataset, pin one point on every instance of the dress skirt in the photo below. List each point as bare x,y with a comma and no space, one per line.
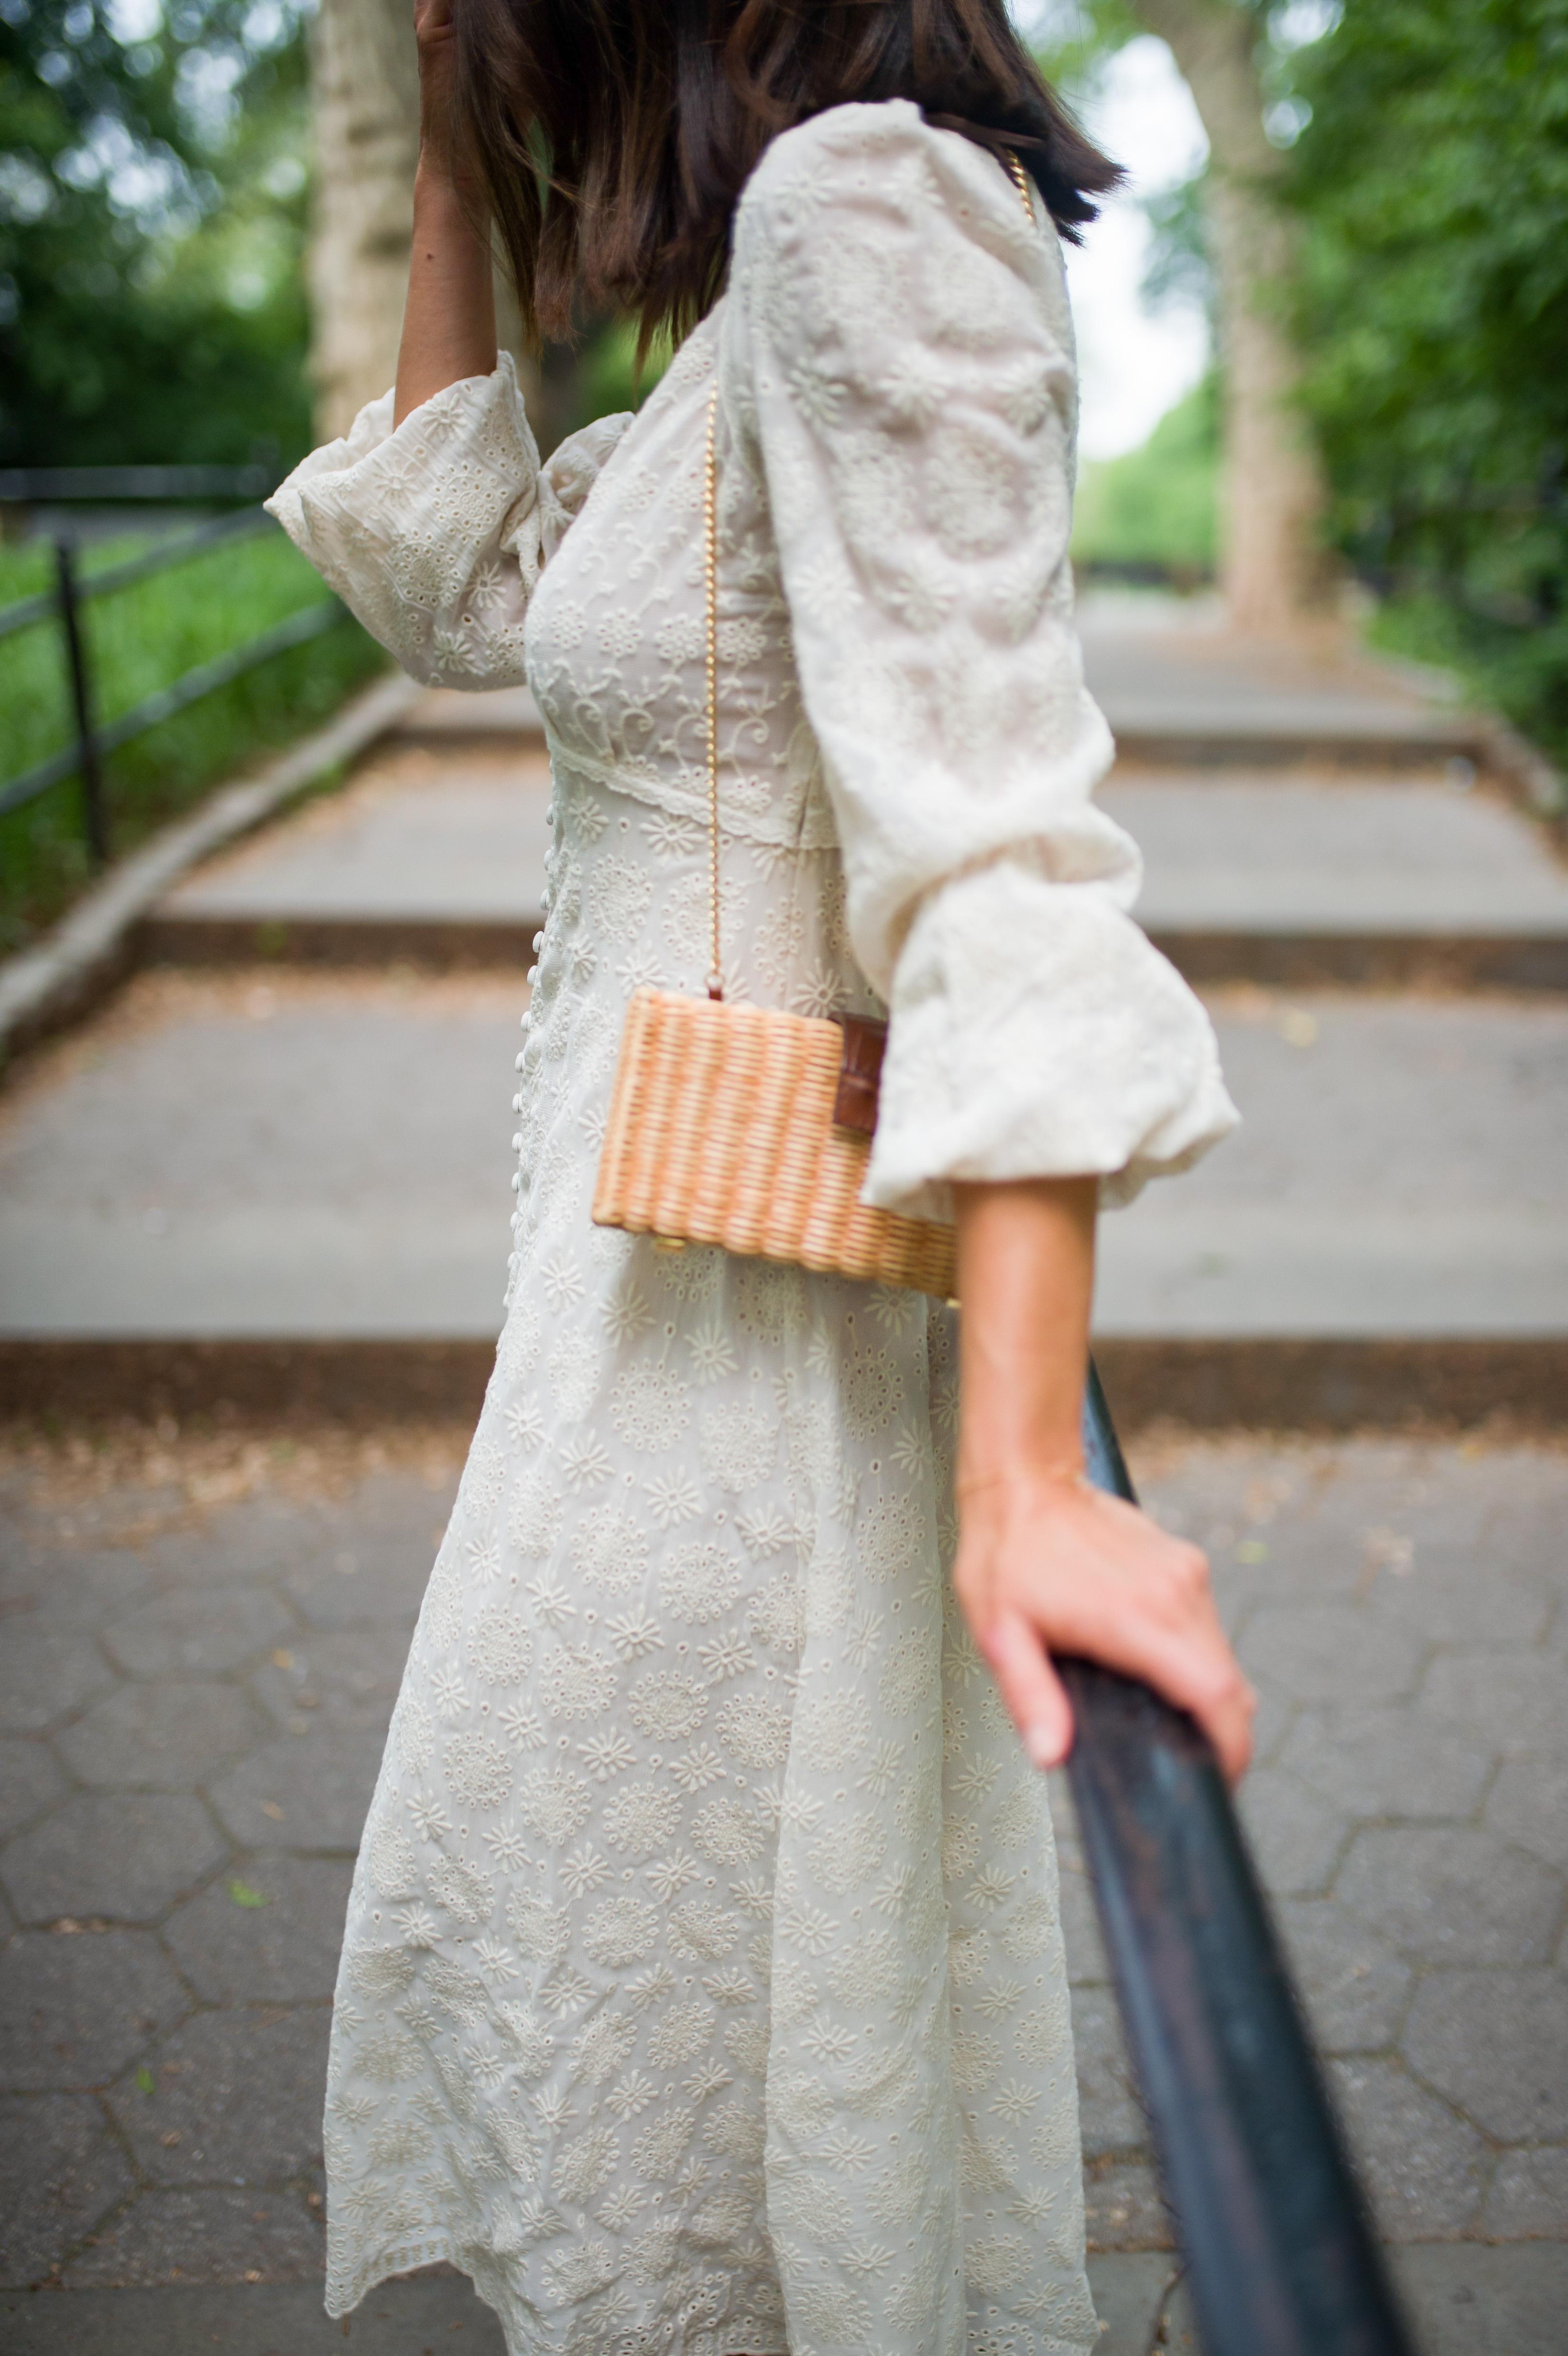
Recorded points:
703,1987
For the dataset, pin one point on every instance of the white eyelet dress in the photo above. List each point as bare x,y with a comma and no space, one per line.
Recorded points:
702,1989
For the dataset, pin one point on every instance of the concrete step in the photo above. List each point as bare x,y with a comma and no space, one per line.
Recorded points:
435,854
438,856
1177,684
261,1186
446,716
1310,879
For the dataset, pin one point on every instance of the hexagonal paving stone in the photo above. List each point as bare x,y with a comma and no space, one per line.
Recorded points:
1276,1715
46,1673
1497,2043
29,1780
237,2096
1452,1896
205,2237
370,1573
1528,1803
1297,1836
305,1791
1529,2199
1388,1763
1515,1701
75,2009
1282,1560
197,1632
60,2170
1109,2116
1330,1651
1123,2208
351,1679
164,1737
284,1952
121,1856
1081,1931
77,1588
254,1541
1423,2167
1355,1989
1460,1602
1525,1528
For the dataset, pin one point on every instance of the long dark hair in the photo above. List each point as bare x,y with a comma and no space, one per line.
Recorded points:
643,118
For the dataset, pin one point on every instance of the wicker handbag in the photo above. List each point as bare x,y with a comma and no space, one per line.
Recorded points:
744,1126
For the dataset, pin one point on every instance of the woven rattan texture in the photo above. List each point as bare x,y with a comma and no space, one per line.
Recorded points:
721,1132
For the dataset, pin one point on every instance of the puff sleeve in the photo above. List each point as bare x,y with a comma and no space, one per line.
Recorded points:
911,389
434,532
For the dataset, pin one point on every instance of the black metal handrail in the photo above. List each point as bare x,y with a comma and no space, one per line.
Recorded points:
84,755
1281,2257
245,525
41,486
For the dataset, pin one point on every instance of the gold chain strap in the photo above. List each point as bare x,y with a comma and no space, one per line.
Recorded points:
1021,181
710,548
711,570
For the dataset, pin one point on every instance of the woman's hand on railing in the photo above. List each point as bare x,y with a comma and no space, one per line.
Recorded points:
1045,1564
1048,1565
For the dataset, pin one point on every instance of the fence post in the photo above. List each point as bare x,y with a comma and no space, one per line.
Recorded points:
94,817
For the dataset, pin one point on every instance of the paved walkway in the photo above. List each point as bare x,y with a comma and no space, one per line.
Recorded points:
278,1162
203,1642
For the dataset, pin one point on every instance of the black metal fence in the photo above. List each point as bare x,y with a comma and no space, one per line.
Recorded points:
92,741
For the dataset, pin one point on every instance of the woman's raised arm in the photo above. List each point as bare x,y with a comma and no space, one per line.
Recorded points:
449,320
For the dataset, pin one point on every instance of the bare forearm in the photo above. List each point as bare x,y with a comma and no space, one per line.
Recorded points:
449,321
1026,1276
1045,1564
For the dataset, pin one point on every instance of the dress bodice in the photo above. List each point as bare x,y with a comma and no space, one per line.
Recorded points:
899,674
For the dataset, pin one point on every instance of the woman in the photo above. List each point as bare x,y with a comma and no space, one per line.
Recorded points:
702,1988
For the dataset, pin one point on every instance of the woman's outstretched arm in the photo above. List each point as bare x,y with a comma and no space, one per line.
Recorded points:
449,320
1045,1563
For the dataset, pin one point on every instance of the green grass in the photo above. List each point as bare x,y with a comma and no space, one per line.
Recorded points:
140,640
1156,505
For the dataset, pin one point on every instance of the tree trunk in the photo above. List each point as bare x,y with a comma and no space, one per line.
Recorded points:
1276,572
365,87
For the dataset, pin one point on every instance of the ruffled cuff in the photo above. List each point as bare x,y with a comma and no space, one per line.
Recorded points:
430,532
1035,1032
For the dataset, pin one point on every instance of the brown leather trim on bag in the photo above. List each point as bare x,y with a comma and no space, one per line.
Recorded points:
860,1073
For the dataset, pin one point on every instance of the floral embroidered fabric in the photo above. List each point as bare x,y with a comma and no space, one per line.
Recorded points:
702,1988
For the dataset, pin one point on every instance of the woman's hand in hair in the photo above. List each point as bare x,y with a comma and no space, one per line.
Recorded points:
1045,1564
436,36
449,318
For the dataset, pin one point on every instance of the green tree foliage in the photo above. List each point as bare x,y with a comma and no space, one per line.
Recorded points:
1431,176
151,229
1154,509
